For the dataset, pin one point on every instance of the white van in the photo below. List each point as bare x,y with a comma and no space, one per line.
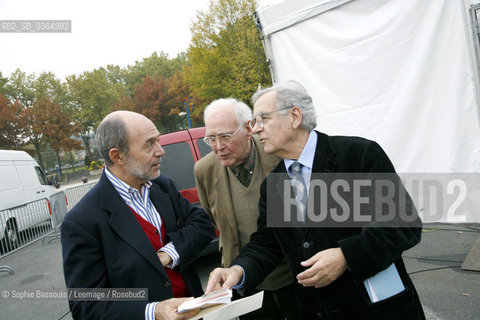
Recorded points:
23,185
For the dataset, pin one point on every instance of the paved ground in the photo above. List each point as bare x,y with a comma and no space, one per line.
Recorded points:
446,291
93,176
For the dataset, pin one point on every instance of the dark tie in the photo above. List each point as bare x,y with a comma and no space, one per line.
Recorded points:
300,188
243,176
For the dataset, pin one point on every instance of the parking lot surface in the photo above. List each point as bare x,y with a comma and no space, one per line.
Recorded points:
446,291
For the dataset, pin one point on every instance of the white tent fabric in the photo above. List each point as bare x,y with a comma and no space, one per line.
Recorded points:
395,71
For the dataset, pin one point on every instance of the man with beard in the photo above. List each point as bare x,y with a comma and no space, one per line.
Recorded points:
133,229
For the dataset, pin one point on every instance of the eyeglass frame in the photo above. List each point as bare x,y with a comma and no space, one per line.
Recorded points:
261,123
222,136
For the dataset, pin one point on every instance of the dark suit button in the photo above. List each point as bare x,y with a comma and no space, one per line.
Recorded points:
166,284
156,231
235,243
306,245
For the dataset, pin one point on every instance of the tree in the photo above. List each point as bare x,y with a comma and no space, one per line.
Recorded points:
158,100
151,100
10,132
91,97
116,75
157,66
3,84
225,57
47,85
21,88
56,125
179,94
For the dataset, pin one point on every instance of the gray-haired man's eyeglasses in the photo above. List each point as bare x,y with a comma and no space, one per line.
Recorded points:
262,116
224,138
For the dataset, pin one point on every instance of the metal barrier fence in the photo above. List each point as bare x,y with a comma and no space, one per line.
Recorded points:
74,194
21,225
58,204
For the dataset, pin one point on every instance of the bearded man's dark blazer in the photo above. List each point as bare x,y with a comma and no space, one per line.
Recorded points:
104,246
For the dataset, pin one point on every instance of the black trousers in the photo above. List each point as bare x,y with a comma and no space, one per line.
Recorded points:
277,304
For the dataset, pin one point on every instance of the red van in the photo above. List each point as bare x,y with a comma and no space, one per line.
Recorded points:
182,150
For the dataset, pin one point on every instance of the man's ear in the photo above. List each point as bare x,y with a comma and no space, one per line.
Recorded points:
297,117
249,130
116,156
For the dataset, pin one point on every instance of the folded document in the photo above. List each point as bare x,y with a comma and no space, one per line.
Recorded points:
231,310
207,300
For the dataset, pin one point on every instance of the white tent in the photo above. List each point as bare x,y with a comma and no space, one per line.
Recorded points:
400,72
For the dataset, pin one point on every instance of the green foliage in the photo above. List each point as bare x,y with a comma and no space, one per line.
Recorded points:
92,96
3,85
47,85
21,87
226,58
157,66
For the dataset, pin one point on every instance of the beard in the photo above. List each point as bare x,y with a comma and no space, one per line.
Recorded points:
142,171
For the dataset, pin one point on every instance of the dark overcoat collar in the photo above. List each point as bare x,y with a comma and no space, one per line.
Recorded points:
323,162
324,159
124,223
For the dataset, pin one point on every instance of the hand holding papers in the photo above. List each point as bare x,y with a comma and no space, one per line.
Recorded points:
207,300
231,310
224,278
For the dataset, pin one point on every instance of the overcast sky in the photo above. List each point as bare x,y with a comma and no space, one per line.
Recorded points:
103,32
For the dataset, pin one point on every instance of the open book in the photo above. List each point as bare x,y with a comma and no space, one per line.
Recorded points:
207,300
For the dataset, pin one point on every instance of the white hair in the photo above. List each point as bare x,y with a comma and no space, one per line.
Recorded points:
242,111
290,94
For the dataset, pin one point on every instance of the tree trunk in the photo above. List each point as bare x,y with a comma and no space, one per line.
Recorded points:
38,152
86,142
72,162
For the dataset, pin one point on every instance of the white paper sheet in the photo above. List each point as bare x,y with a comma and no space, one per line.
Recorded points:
232,309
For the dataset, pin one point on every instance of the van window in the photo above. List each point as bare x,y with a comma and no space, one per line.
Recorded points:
41,176
9,178
177,164
203,147
27,175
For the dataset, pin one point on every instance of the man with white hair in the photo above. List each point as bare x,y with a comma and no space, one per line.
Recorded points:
334,263
228,184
